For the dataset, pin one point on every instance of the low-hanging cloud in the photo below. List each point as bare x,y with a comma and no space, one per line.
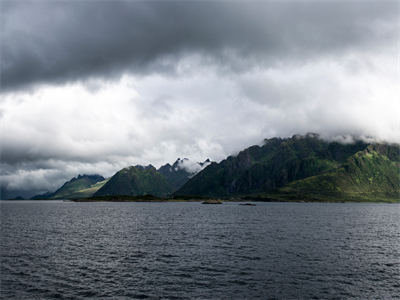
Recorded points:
190,166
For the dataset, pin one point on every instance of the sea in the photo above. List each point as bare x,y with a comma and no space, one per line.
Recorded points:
187,250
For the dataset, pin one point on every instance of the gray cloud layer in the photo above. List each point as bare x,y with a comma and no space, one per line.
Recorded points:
58,41
94,86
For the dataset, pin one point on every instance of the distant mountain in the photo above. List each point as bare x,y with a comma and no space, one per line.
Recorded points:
134,181
11,194
78,187
43,196
299,165
18,198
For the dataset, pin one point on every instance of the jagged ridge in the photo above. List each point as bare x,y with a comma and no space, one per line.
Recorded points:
261,170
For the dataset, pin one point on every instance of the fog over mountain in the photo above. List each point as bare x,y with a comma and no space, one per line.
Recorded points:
91,87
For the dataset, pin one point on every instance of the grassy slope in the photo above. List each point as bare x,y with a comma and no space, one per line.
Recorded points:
77,187
366,176
87,192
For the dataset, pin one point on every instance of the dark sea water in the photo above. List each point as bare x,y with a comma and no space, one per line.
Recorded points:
65,250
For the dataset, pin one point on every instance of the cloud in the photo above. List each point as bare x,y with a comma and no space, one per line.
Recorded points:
38,177
57,41
95,88
66,130
192,166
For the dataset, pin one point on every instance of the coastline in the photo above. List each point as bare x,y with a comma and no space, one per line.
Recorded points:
239,199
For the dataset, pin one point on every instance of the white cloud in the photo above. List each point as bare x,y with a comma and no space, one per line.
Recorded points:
53,133
191,166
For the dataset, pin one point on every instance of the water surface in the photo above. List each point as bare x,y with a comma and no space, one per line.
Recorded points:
69,250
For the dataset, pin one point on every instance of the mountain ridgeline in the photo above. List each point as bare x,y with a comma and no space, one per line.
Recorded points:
147,180
303,168
131,181
281,169
136,180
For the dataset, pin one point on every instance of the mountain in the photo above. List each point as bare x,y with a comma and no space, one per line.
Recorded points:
134,181
43,196
175,175
89,191
139,180
296,168
370,174
181,171
78,187
17,198
301,165
12,194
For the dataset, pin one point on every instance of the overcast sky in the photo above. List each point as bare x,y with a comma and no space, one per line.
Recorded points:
94,86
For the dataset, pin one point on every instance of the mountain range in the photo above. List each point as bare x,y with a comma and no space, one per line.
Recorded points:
132,181
303,168
144,180
281,169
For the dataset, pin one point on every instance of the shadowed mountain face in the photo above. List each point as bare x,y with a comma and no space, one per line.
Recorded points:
181,171
175,175
134,181
139,180
278,162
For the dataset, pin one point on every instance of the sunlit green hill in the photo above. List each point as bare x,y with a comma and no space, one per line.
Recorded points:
371,174
78,187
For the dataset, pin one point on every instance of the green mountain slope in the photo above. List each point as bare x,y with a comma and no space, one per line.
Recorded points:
303,168
89,191
134,181
77,187
270,166
372,174
297,168
71,188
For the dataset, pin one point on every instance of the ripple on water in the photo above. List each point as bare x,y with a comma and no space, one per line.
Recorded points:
60,250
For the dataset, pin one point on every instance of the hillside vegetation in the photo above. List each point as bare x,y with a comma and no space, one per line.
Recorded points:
297,168
136,180
303,167
78,187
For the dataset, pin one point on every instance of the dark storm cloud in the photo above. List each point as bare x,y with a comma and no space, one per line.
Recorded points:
134,82
63,41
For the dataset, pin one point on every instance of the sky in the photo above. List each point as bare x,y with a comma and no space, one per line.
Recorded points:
94,86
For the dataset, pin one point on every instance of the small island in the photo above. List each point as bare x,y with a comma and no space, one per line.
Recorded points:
212,201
